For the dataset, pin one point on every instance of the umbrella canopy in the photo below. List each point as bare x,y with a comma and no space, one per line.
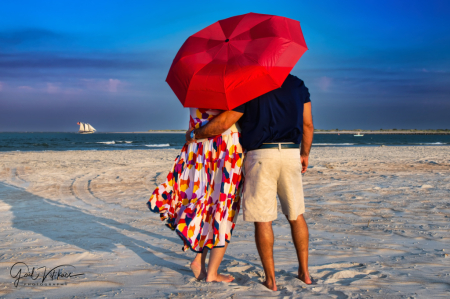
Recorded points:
235,60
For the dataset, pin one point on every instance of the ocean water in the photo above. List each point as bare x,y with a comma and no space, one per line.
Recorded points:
123,141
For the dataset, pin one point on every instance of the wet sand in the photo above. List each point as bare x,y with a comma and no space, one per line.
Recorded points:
379,220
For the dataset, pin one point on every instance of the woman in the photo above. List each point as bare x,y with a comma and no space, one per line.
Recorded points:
200,197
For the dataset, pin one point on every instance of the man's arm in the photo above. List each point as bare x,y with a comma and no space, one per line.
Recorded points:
308,132
216,126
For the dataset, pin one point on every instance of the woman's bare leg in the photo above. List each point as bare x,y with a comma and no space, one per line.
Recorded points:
198,265
215,258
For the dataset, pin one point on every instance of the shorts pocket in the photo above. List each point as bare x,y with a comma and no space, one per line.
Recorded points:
250,165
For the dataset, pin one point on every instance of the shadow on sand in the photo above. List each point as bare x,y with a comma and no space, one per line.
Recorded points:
68,224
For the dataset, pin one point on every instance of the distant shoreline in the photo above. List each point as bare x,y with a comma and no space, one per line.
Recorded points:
352,132
155,131
391,132
344,132
137,132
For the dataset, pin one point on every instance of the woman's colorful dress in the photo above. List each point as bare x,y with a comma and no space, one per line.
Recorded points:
200,198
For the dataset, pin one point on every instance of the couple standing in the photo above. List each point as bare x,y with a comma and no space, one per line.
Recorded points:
202,194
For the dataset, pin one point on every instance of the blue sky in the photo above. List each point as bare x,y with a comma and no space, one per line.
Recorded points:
370,64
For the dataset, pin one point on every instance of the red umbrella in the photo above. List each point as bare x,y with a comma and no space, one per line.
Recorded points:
235,60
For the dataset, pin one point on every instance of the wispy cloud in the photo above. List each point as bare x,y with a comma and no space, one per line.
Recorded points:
324,83
113,84
25,87
26,36
60,88
109,85
391,82
100,61
82,86
52,88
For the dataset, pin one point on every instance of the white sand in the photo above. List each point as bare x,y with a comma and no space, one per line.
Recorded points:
379,222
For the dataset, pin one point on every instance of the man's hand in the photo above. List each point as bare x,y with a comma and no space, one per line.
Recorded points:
304,161
188,137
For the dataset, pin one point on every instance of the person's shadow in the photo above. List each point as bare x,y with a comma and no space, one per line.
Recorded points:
68,224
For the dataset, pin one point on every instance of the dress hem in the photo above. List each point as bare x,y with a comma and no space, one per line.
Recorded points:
179,233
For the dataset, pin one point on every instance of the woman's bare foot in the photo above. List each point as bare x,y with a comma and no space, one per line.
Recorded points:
199,273
305,277
270,285
219,278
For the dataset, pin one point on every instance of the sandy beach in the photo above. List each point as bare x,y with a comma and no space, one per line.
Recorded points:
379,220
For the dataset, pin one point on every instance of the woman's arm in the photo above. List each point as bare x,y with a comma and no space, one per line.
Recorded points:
216,126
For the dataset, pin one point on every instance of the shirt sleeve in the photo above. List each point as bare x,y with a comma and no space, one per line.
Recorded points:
305,93
240,109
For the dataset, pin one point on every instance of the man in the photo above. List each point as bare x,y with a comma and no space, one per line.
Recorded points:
272,127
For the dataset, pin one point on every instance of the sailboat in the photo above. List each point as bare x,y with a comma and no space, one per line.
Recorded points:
85,128
359,135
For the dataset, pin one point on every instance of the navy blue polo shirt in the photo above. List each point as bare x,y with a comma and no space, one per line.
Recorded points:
276,116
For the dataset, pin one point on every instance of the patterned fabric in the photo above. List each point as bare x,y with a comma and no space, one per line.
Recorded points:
200,198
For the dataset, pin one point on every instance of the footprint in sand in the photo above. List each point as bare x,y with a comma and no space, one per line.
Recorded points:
344,273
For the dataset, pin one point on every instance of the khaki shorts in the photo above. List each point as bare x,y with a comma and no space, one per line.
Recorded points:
269,172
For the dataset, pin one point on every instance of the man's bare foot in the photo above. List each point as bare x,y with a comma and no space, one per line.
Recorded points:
270,285
305,277
197,270
220,278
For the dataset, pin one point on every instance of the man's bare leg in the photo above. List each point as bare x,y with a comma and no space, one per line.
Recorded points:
300,236
264,243
198,265
215,258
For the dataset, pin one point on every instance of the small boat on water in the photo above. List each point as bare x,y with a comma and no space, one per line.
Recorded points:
359,135
85,128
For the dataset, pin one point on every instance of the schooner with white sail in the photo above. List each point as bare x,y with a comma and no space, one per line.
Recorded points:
85,128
